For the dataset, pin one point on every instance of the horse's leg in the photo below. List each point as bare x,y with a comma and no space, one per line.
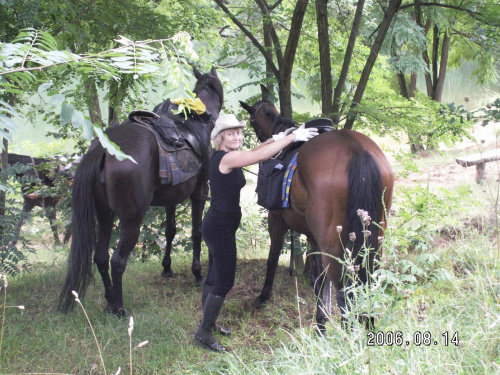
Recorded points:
277,231
170,232
52,216
27,207
321,285
101,255
129,234
197,206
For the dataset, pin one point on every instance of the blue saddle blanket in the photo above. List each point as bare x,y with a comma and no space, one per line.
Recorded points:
287,181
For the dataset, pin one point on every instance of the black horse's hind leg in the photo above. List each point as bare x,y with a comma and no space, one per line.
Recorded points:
170,232
27,207
52,216
321,285
129,235
277,231
101,255
197,205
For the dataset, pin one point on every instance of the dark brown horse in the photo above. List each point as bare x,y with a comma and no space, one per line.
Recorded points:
38,188
105,187
338,172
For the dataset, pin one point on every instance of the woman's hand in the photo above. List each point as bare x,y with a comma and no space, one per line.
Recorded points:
302,134
282,135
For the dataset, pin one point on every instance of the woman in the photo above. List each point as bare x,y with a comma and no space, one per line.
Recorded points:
223,217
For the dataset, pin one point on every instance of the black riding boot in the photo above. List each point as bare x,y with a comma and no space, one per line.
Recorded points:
204,336
218,328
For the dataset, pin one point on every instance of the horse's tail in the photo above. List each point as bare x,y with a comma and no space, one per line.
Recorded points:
83,229
365,193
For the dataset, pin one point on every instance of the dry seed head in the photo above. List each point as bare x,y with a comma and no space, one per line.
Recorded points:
349,252
143,344
380,239
352,236
74,293
131,326
339,228
20,307
367,233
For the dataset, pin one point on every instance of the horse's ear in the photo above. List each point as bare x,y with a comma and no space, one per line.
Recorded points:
247,107
266,95
197,73
214,71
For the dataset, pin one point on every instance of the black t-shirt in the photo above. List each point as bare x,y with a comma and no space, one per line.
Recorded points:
225,188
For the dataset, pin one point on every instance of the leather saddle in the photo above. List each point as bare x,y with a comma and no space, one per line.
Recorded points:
322,124
183,140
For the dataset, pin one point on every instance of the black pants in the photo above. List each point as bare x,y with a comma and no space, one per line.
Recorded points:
219,233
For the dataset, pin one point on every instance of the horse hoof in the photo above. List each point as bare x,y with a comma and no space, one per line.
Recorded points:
258,303
118,312
167,275
320,329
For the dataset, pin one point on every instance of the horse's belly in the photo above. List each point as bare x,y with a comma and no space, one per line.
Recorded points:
295,221
166,195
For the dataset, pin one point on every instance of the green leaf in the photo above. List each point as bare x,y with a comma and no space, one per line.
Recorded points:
110,146
88,131
57,100
66,112
77,119
44,87
8,123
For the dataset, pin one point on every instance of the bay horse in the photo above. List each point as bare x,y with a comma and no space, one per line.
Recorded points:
105,188
42,175
338,172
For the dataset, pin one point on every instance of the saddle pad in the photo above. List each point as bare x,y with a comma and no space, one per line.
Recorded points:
287,181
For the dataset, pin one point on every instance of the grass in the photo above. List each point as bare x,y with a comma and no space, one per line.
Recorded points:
278,339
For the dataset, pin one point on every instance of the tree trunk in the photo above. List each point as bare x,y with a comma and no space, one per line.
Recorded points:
324,58
339,88
92,100
425,54
267,28
445,48
113,103
402,85
374,51
289,58
413,85
435,49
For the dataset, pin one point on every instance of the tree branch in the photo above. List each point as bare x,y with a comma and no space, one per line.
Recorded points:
471,13
250,36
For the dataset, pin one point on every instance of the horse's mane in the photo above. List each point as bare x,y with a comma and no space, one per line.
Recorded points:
212,82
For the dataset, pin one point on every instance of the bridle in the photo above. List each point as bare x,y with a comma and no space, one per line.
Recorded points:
258,131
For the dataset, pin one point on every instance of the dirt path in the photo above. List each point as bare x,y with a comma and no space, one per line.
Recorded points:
449,172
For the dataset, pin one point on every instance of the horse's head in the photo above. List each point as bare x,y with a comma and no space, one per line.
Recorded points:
266,120
210,91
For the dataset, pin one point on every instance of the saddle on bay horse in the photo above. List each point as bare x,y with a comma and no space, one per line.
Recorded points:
275,175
